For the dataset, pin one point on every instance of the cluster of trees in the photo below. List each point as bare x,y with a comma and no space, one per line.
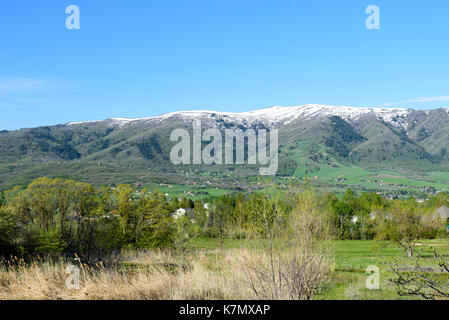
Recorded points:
368,216
150,147
342,137
57,216
372,216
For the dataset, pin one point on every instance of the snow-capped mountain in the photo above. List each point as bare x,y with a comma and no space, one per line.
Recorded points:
275,115
310,135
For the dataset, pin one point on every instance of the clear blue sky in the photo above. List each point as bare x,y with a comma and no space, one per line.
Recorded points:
139,58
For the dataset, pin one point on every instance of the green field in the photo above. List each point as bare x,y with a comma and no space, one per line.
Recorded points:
186,191
330,174
352,257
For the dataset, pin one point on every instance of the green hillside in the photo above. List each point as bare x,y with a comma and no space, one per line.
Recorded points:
398,156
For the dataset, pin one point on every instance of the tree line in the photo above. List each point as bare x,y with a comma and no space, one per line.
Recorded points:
64,217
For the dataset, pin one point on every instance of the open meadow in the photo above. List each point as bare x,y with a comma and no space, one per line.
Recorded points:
206,272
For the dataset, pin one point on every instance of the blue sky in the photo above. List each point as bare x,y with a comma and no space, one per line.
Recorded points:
139,58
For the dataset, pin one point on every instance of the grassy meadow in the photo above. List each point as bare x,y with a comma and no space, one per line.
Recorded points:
351,258
205,272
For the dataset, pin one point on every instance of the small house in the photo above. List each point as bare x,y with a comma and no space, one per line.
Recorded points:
179,213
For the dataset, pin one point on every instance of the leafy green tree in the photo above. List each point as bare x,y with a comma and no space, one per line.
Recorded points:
155,223
49,243
43,202
2,198
125,208
200,214
342,214
404,224
8,231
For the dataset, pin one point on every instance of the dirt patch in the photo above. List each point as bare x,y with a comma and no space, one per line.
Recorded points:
431,244
388,176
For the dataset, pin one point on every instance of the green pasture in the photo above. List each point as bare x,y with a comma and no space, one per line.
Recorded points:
351,259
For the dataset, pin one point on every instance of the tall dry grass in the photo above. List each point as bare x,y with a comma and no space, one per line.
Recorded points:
149,275
141,276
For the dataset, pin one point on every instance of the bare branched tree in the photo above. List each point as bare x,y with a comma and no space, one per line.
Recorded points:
429,281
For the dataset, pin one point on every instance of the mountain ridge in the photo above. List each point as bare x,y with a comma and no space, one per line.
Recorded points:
274,113
314,141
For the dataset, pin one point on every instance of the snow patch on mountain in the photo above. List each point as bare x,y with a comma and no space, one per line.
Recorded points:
277,115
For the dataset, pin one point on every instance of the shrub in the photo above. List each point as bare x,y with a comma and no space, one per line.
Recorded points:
295,259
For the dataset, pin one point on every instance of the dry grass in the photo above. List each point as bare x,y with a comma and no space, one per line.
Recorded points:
141,276
150,275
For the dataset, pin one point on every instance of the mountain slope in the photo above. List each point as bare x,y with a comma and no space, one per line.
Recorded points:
311,138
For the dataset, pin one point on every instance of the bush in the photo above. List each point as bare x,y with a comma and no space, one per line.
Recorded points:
8,231
294,263
49,244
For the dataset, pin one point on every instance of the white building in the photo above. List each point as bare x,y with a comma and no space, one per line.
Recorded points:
179,213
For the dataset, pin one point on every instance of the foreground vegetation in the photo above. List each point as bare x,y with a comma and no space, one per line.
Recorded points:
129,243
149,275
206,273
